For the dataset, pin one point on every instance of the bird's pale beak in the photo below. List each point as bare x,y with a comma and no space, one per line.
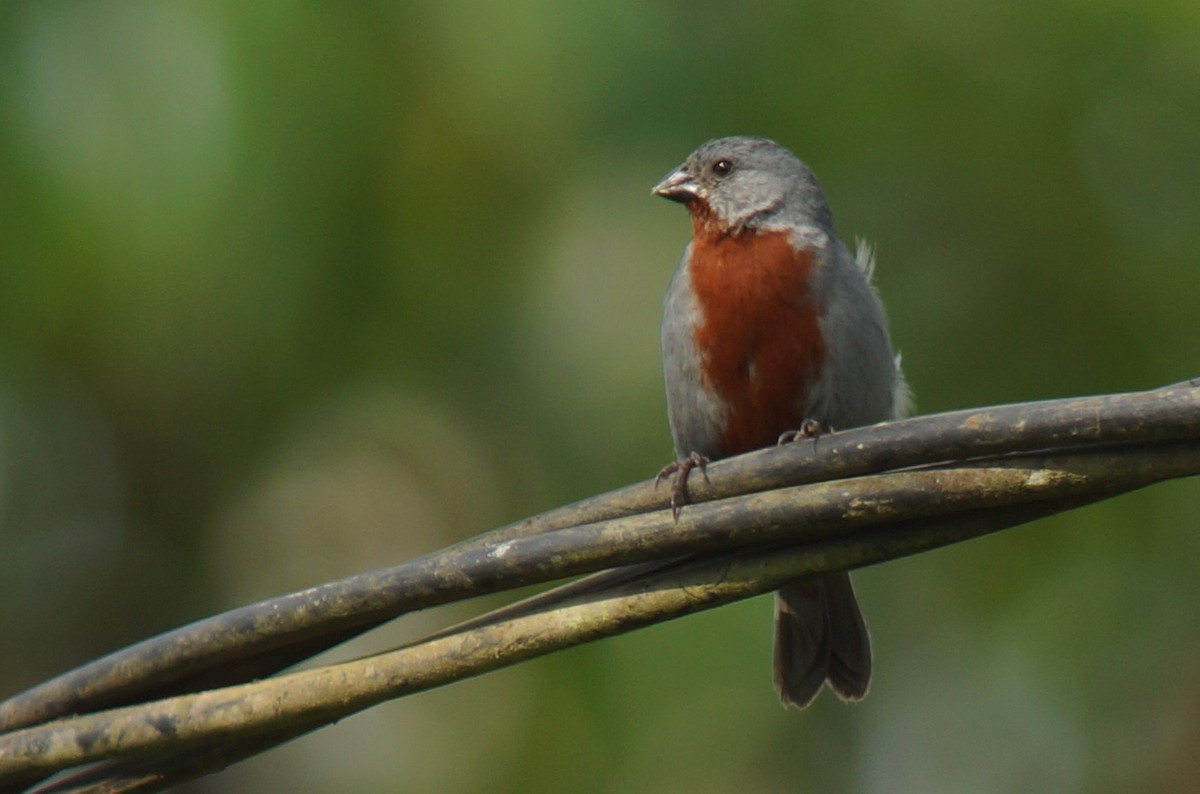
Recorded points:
679,186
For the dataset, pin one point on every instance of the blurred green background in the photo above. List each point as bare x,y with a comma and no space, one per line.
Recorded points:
290,291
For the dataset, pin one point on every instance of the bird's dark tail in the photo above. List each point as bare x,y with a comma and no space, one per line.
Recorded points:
820,636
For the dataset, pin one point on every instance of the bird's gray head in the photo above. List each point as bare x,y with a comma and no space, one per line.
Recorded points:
747,183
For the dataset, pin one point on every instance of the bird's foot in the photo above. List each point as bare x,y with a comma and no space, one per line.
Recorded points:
678,473
809,428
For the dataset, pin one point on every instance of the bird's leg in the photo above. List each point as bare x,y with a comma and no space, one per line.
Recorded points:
809,428
679,471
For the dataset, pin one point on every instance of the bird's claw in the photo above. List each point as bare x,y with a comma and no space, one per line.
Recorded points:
809,428
679,471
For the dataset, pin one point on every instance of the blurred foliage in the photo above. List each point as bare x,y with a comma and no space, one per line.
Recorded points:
289,291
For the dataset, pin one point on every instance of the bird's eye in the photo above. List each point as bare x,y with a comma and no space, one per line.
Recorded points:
722,167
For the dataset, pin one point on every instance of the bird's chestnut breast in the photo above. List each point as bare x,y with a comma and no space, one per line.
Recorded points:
759,336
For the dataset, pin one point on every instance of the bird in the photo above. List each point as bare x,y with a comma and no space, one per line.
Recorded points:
772,329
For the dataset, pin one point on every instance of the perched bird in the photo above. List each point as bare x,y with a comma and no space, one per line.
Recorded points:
771,325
